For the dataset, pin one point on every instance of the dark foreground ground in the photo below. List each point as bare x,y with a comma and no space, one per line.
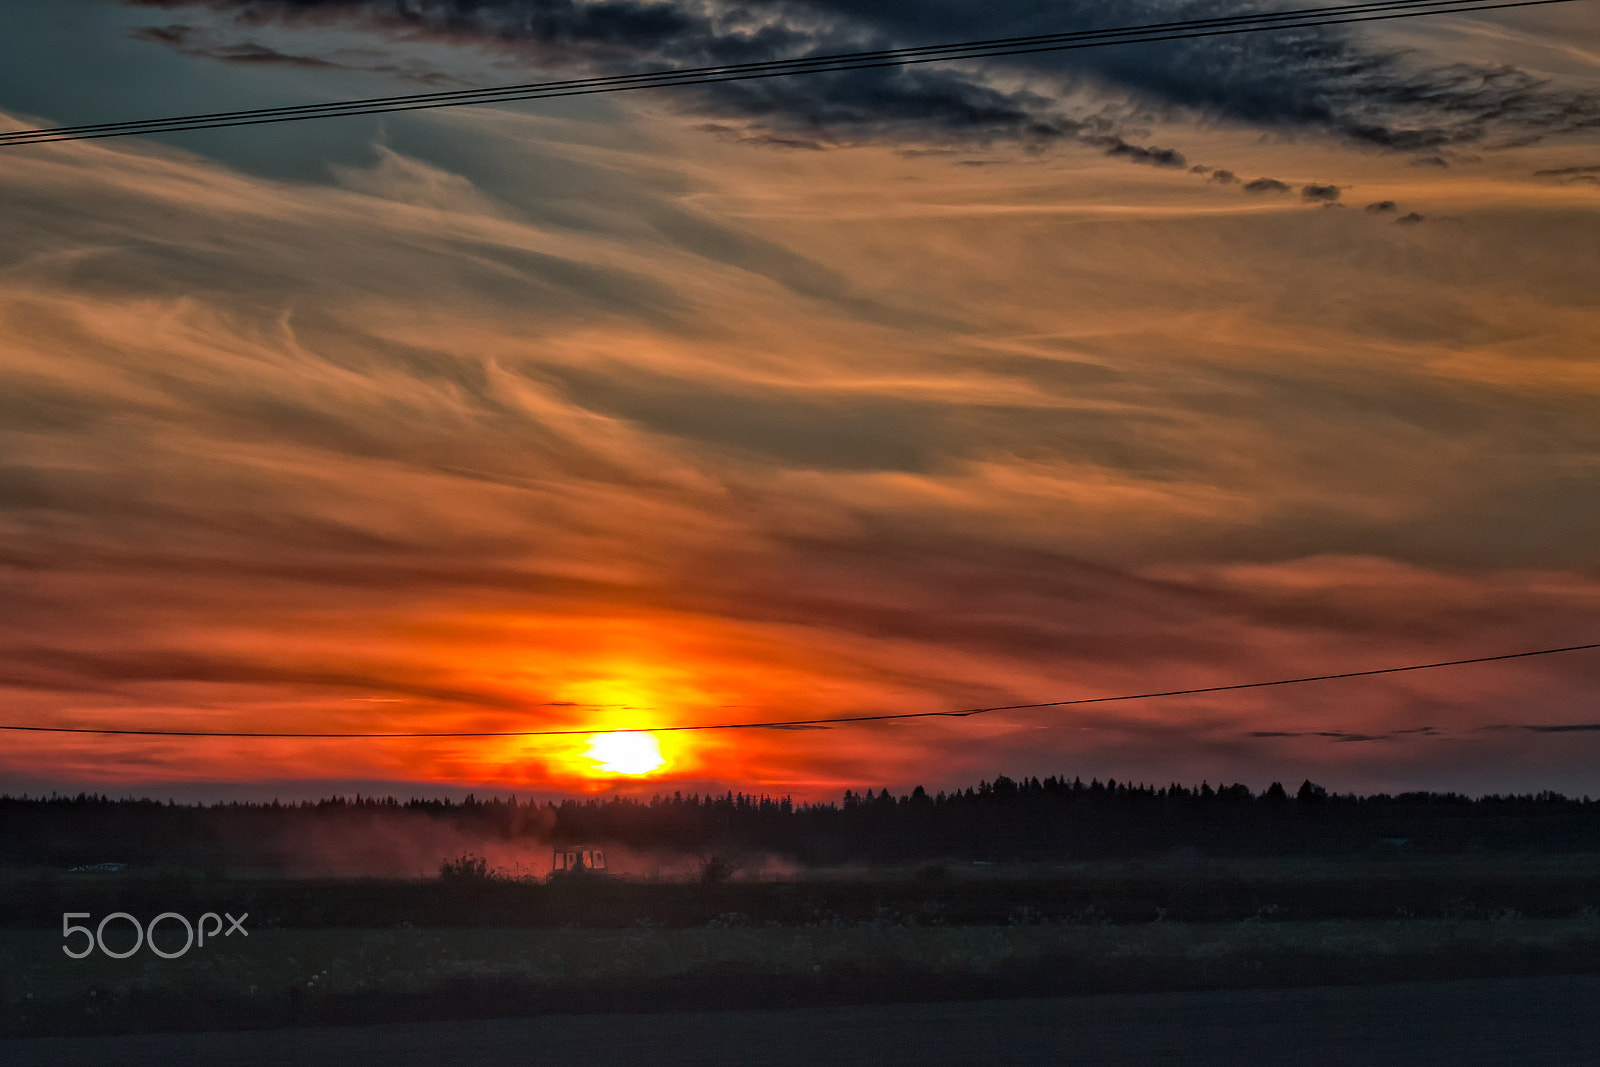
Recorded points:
1522,1021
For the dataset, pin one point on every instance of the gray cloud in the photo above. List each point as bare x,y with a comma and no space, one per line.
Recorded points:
1589,175
1321,78
1158,157
1336,736
1266,185
1323,194
191,40
205,43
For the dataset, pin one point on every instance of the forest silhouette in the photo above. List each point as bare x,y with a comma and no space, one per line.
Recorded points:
1003,820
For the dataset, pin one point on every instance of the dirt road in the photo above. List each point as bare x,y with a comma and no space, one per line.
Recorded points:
1522,1021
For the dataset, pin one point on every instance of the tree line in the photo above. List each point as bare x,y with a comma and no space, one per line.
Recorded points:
1003,820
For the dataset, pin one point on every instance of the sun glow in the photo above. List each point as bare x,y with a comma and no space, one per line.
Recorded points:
626,752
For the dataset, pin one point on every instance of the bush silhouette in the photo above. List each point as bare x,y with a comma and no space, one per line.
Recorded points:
466,868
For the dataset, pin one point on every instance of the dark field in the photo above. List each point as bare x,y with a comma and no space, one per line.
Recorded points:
378,951
1013,890
1531,1022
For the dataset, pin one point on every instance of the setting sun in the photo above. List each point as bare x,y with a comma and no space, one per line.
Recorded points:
625,753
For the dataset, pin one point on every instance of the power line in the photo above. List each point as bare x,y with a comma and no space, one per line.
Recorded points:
891,57
793,723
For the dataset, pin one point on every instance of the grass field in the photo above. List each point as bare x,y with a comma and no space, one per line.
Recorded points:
371,950
283,976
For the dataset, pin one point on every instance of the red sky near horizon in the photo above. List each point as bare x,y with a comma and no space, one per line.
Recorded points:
628,413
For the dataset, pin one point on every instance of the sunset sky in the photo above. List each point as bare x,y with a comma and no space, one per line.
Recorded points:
984,383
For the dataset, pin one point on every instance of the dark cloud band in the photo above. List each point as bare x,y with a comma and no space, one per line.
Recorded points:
1308,77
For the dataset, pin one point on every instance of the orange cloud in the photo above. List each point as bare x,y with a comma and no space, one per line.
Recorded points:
776,438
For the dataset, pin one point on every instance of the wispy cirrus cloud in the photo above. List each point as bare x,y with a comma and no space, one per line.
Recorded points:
435,448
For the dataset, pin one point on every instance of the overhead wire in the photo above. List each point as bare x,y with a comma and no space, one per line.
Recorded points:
780,724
